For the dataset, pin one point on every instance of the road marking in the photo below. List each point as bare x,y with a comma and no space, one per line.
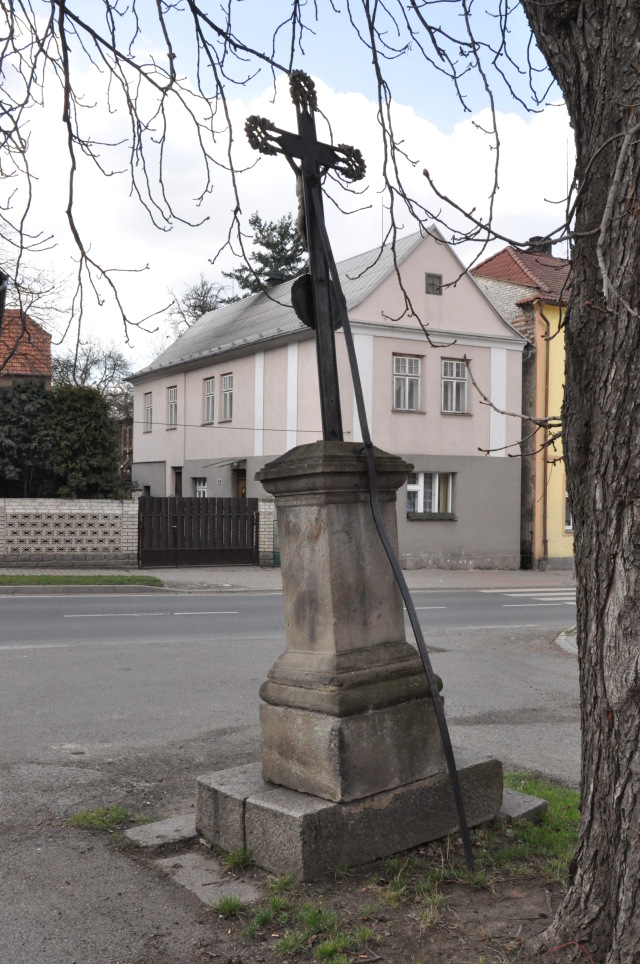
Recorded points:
213,612
428,607
536,605
529,592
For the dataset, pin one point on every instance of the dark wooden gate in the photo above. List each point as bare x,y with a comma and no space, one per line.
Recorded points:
197,532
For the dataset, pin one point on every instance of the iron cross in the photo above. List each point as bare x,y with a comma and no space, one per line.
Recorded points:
315,159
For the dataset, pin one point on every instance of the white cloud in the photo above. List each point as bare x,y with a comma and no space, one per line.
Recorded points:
533,168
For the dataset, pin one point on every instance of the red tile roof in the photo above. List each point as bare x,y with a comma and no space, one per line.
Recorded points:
551,277
25,347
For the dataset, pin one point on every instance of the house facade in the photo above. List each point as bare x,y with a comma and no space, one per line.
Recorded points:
240,387
25,349
531,289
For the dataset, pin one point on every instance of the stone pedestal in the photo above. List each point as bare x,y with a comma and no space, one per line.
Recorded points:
346,710
350,744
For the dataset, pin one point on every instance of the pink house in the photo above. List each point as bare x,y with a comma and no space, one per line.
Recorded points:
240,387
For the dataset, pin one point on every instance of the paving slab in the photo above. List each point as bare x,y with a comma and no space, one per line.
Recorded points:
521,806
203,875
173,830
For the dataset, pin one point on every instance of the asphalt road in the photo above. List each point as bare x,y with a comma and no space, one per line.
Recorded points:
80,620
101,704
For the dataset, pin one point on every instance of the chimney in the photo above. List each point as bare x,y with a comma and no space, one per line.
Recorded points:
273,280
539,245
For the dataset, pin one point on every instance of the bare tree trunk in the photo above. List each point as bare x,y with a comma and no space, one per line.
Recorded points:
592,47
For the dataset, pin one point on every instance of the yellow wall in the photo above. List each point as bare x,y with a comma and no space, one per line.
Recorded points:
559,542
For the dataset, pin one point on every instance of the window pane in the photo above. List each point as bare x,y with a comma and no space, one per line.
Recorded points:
461,396
413,366
428,492
400,394
399,365
414,394
447,369
444,482
412,501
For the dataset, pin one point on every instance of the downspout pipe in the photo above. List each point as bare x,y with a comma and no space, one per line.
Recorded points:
545,450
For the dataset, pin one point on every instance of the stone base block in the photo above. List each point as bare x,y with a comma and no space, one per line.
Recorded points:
220,802
294,833
347,758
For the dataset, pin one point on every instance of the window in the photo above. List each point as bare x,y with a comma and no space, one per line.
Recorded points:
209,386
406,383
433,284
148,411
568,514
430,493
173,407
201,488
227,397
454,386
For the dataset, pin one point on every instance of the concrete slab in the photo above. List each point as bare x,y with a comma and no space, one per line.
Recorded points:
306,836
204,877
178,829
521,806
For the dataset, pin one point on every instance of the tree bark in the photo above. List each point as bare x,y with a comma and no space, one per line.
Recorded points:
592,48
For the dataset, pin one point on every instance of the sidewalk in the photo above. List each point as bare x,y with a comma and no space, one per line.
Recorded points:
254,579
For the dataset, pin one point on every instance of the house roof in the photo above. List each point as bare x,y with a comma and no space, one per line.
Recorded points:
549,276
262,317
25,347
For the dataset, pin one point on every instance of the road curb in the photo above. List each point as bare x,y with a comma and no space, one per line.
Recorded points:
567,641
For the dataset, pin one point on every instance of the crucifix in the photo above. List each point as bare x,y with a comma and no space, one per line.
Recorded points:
313,297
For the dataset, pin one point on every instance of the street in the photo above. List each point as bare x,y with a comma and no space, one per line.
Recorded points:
127,698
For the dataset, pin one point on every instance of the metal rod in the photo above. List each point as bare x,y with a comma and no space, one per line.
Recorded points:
393,560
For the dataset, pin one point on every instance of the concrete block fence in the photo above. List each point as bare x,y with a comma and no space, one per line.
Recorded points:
91,532
68,532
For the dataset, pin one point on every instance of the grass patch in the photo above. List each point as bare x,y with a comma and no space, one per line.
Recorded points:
228,906
104,818
284,884
545,845
9,580
237,859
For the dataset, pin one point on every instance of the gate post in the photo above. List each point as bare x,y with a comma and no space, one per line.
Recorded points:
266,520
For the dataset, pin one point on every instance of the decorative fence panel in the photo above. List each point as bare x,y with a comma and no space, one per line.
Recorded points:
68,532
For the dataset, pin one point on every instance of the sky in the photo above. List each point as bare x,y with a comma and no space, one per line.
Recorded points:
536,154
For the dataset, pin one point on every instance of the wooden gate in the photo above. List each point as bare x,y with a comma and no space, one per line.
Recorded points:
197,532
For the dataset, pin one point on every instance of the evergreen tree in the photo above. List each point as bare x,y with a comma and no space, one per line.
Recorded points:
84,462
278,251
28,438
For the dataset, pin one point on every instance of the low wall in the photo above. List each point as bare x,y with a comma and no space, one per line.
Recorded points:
68,532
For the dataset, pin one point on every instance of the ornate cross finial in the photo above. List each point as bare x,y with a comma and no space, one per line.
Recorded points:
314,298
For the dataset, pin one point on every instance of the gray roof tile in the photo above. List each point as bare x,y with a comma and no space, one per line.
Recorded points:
261,317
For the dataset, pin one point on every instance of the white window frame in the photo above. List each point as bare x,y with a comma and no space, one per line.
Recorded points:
227,397
428,486
201,487
148,411
406,382
209,400
454,386
172,398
